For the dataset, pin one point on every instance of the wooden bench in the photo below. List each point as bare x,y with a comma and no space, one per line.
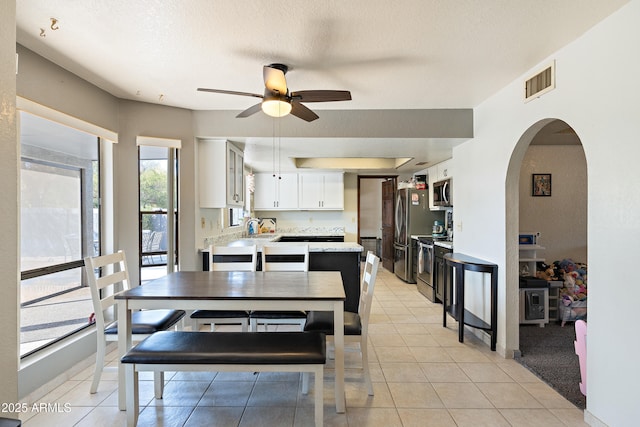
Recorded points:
227,351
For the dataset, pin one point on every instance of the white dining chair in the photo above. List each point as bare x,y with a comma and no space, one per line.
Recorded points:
356,325
281,258
108,275
227,258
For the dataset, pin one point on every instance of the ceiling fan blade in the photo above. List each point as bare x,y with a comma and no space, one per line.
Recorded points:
302,112
274,79
321,95
229,92
251,110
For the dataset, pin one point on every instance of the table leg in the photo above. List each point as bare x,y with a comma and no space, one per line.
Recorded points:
460,301
124,344
338,339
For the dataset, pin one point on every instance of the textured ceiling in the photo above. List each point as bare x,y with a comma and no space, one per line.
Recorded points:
403,54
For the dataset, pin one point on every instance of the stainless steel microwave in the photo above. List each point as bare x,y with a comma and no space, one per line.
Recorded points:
442,193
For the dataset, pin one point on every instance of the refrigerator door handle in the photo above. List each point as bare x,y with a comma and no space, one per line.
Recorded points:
398,220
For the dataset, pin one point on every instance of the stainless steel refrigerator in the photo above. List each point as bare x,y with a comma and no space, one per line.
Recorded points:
412,217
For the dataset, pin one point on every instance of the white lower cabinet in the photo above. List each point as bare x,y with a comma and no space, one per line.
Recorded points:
322,191
279,192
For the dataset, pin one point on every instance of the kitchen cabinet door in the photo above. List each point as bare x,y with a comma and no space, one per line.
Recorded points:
444,170
321,191
333,197
220,174
235,176
288,191
278,192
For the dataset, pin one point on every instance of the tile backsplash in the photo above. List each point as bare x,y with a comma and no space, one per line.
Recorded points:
238,233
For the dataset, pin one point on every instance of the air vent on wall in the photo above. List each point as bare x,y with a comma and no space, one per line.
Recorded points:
540,83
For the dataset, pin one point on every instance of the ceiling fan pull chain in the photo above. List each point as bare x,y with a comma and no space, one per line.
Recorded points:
273,146
279,153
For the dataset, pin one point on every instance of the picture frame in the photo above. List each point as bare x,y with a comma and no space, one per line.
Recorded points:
541,184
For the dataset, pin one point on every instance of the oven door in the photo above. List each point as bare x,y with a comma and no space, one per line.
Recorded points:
425,270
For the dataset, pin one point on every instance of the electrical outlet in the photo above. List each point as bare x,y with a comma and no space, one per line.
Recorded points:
459,226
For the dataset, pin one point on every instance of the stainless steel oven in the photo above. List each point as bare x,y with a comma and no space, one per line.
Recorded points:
425,268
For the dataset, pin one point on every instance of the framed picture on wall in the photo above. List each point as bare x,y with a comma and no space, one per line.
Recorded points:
541,184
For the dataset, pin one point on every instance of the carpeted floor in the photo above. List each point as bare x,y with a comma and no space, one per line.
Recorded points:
549,353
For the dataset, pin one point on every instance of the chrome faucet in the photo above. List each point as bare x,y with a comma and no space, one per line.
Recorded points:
251,227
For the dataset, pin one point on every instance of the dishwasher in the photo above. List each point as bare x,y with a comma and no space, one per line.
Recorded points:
425,268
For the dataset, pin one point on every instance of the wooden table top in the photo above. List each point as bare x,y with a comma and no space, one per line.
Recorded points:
221,285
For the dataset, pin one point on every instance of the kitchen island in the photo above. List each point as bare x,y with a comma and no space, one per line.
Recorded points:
323,256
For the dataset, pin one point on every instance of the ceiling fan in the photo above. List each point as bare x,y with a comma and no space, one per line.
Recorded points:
277,101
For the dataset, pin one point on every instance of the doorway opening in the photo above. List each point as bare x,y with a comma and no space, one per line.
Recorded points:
557,217
376,196
158,211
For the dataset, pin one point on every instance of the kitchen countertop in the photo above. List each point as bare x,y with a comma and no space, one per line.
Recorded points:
263,239
444,244
417,236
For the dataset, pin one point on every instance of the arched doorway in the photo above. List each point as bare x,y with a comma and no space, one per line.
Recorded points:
549,148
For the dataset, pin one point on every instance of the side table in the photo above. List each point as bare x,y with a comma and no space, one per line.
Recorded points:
460,264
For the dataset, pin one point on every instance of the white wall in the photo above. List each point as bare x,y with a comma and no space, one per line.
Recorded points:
596,95
562,217
371,207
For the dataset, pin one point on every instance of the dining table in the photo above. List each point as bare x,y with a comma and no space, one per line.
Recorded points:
220,290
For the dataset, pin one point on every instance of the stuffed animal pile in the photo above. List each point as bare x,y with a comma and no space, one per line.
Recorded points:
574,276
573,294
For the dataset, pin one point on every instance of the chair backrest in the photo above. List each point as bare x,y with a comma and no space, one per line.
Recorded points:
156,240
285,258
233,258
114,278
366,291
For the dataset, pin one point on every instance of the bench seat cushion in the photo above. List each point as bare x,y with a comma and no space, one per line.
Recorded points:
278,314
322,321
219,314
273,348
149,321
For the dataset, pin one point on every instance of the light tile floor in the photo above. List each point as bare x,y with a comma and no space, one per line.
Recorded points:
422,377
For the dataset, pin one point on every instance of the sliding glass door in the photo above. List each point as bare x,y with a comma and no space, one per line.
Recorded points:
158,211
60,223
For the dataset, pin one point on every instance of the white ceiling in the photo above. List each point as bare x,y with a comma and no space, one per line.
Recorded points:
403,54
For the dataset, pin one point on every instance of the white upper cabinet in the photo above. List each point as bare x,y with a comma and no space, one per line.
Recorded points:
221,174
444,170
278,192
321,190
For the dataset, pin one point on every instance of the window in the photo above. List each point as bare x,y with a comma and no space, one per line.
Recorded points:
60,225
235,217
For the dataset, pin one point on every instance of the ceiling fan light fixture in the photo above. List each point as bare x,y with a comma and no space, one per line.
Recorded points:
276,107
